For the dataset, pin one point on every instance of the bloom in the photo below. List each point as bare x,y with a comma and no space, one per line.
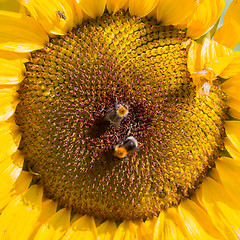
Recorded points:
59,87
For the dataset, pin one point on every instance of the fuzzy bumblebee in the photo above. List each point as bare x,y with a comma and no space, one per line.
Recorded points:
128,146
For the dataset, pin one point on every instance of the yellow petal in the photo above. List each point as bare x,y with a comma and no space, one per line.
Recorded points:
9,5
142,8
223,208
234,110
229,34
22,182
48,209
233,132
21,185
233,67
229,171
194,57
11,71
234,105
169,226
210,52
233,151
19,217
197,222
8,55
127,230
207,61
10,170
55,227
175,12
56,16
146,229
232,86
8,102
93,8
106,230
83,228
9,139
77,12
206,13
115,5
20,33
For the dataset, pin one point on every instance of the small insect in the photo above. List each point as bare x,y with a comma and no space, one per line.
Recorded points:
117,114
128,146
61,15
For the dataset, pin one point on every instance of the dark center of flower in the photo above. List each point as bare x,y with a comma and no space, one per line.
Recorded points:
110,121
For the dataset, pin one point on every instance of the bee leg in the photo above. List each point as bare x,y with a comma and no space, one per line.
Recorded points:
129,131
116,104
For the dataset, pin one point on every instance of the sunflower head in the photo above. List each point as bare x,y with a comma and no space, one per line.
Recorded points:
119,114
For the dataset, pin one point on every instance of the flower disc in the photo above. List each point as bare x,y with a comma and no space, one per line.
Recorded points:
73,83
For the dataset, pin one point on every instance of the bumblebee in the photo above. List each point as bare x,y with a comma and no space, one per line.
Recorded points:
128,146
61,15
117,114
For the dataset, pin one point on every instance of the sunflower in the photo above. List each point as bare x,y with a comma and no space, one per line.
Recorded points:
119,120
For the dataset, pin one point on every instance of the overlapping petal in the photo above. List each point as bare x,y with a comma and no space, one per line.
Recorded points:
9,139
232,150
55,227
233,67
115,5
127,230
228,170
175,12
196,221
207,60
106,230
18,187
48,210
20,33
19,217
8,102
11,71
223,208
231,87
205,15
142,8
229,34
10,170
83,228
93,8
233,132
56,16
169,226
